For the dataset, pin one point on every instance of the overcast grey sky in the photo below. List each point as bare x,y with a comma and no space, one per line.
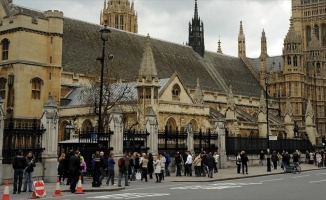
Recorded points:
168,20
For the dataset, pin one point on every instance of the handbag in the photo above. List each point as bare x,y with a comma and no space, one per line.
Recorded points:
138,176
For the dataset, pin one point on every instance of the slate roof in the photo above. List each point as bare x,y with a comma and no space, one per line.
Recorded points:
82,46
277,60
74,97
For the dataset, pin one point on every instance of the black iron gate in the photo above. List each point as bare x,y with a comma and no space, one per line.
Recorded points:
205,141
24,135
135,141
172,141
254,145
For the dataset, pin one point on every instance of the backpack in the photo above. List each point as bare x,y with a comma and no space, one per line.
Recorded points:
121,162
168,159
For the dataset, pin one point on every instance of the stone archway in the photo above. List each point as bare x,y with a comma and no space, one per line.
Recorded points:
87,125
171,124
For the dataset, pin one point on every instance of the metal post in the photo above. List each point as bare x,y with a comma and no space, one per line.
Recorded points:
104,36
267,134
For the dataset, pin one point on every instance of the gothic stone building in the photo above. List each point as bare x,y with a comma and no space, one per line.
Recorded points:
46,53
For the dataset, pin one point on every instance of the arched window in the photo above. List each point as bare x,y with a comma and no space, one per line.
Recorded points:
289,60
295,61
36,88
323,33
176,92
171,124
308,34
87,125
316,29
3,82
318,68
5,48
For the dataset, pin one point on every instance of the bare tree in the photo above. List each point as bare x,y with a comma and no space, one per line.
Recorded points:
115,91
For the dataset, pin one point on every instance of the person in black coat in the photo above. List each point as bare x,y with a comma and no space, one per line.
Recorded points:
74,165
178,162
274,159
210,162
244,161
19,164
150,165
67,174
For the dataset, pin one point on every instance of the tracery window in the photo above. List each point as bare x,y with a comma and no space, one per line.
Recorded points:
36,88
3,82
5,49
176,92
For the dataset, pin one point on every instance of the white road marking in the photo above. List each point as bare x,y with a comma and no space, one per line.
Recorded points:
271,180
129,196
317,181
320,174
218,186
300,176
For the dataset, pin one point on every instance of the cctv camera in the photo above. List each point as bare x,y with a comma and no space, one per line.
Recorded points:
111,56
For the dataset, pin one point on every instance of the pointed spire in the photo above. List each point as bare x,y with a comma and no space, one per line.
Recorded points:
263,51
50,103
198,94
148,67
219,49
104,5
241,43
196,10
132,5
288,108
262,102
309,111
231,102
314,43
292,36
241,28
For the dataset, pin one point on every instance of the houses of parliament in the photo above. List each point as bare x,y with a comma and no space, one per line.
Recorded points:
46,54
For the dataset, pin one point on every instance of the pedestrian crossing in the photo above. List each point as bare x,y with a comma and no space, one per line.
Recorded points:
129,196
218,186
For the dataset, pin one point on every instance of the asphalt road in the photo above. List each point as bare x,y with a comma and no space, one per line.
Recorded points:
304,186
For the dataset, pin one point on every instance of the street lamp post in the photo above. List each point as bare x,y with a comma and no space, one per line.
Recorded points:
105,37
267,134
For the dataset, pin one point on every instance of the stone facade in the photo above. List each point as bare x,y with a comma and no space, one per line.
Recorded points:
120,14
170,84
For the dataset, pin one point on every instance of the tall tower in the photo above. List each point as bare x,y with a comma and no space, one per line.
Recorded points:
263,56
147,84
196,33
241,43
119,14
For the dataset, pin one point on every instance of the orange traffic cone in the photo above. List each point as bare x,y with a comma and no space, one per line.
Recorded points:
33,196
57,192
79,187
5,195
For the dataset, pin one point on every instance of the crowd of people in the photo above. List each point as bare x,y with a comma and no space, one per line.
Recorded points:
140,166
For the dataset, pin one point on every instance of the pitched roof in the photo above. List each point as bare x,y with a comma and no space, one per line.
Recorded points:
82,46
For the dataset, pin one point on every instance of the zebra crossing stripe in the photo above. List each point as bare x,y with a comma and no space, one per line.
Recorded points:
128,196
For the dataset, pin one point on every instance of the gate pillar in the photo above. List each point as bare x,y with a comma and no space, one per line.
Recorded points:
151,127
116,125
190,138
220,130
50,140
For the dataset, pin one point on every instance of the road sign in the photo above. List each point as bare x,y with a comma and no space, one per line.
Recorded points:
39,188
272,137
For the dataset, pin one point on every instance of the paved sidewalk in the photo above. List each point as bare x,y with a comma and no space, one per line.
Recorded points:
223,174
